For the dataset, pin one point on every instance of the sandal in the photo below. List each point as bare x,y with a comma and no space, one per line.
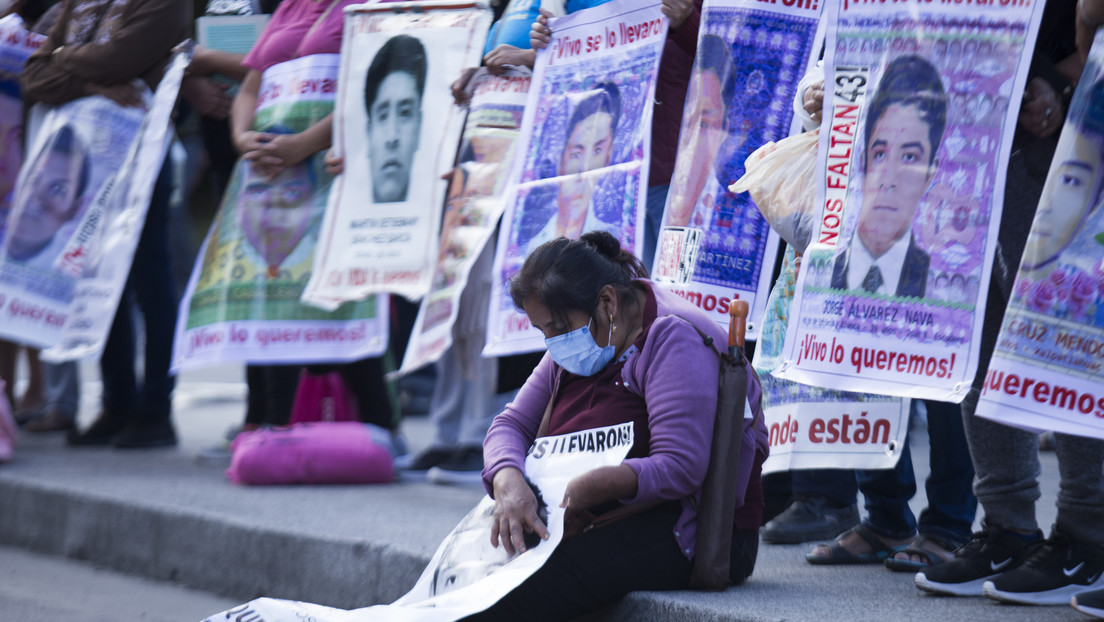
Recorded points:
837,555
928,556
51,421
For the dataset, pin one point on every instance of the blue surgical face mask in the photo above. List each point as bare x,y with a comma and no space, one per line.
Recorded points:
579,353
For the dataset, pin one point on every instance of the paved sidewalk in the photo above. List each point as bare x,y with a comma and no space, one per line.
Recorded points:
166,515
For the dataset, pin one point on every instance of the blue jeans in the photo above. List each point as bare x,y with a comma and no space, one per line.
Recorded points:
653,210
951,502
152,286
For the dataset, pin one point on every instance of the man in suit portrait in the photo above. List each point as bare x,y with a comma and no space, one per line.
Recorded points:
904,126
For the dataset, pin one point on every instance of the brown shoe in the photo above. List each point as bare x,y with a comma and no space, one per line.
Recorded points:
50,421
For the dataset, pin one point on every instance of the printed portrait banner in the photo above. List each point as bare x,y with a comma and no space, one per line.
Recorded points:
814,428
16,45
715,245
467,575
472,211
242,302
582,158
50,236
397,127
103,249
913,152
1046,372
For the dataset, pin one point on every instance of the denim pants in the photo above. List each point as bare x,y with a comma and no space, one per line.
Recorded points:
951,503
150,284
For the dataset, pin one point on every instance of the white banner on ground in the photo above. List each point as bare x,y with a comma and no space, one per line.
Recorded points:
1046,372
55,249
242,302
913,152
472,211
585,142
397,127
814,428
715,245
467,574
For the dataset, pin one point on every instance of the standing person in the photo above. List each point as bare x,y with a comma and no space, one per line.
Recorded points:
1009,559
298,28
99,47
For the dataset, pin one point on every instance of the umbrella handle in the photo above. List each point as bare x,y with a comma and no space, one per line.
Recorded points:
737,322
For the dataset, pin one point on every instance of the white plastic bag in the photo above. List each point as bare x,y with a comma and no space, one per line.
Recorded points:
781,178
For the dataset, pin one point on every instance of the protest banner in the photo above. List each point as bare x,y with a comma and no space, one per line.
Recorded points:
472,211
1046,372
242,302
466,574
397,127
715,246
16,45
913,152
103,247
582,159
53,238
815,428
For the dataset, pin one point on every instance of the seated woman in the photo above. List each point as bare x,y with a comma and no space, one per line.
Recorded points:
620,349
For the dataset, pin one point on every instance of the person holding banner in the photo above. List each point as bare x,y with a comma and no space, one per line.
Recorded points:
276,200
619,350
102,48
1010,559
904,126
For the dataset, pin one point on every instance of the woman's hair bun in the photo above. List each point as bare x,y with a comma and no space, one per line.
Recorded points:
604,243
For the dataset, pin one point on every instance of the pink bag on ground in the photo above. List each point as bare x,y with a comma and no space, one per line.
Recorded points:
322,397
8,430
332,452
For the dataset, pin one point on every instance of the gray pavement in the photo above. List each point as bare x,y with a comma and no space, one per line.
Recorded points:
168,516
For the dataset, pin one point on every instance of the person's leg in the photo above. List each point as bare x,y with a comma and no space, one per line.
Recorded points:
119,398
479,406
1072,558
823,507
373,392
952,505
596,568
155,291
62,393
887,493
34,397
653,210
8,352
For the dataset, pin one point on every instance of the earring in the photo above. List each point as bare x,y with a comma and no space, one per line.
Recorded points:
613,327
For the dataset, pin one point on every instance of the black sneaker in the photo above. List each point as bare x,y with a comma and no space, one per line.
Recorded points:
1090,603
424,461
989,552
464,466
146,434
100,433
1051,574
809,519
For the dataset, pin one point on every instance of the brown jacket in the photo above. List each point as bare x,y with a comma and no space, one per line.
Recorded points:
144,34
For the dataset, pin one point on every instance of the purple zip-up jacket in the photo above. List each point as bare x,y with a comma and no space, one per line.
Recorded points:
676,374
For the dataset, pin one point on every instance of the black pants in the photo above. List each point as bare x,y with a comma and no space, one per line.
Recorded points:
596,568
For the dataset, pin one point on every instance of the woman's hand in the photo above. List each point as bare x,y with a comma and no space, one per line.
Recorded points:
335,164
812,100
539,33
126,94
503,56
592,489
1041,113
515,512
